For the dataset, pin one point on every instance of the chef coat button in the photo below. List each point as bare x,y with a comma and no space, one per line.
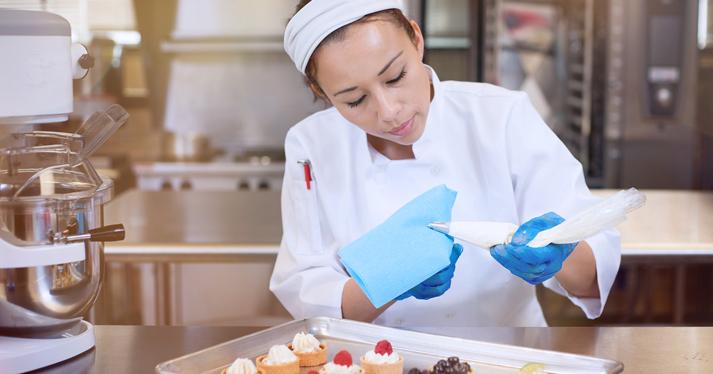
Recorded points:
399,322
435,170
450,315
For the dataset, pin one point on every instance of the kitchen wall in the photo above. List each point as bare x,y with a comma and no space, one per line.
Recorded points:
242,100
226,73
229,76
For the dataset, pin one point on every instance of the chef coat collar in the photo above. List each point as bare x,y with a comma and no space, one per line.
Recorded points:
422,145
433,122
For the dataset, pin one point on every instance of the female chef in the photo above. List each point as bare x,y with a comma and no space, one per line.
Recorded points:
393,132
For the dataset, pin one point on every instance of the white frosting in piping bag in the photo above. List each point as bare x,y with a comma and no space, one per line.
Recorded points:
482,234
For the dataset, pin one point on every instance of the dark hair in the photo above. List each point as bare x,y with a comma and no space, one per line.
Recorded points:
394,16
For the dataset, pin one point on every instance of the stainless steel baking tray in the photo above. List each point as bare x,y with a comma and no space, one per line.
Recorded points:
418,349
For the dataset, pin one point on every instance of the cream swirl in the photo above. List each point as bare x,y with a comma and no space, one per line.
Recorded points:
242,366
279,354
305,343
332,368
377,358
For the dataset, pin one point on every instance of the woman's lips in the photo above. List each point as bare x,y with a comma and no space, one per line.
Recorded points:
404,129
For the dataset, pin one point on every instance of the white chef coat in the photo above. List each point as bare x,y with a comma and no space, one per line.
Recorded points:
485,142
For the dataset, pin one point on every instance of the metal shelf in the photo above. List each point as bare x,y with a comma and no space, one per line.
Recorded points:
447,42
221,46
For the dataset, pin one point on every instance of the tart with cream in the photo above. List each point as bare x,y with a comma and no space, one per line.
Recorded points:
341,364
308,350
241,366
278,360
382,360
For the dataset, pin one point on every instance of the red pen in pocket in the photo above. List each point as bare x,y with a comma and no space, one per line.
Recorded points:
307,166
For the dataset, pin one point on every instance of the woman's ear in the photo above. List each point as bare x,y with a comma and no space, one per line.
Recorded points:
418,42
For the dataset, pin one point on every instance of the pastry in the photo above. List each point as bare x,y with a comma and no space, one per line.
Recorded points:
382,360
452,365
241,366
341,364
279,360
308,350
532,368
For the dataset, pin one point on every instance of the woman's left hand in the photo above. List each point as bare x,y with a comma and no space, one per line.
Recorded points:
534,265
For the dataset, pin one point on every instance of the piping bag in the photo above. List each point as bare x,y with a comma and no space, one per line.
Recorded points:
602,216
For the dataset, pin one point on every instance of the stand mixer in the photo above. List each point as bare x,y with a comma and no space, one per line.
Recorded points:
52,232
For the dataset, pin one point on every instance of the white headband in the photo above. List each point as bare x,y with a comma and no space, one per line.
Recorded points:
319,18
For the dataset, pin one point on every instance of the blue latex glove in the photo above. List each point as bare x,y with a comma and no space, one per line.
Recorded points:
534,265
437,284
400,253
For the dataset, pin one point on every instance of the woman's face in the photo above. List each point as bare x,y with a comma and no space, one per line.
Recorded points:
376,80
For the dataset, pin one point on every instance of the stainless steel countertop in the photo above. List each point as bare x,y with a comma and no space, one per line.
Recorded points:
217,225
137,349
197,217
670,223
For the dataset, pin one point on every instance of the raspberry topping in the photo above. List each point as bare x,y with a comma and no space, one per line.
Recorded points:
383,347
312,372
343,358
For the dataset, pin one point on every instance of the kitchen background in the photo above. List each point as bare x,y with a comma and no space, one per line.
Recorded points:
626,84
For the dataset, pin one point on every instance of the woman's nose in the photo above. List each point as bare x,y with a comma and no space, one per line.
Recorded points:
387,107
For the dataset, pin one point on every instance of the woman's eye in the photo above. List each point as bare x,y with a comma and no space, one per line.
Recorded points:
354,104
401,75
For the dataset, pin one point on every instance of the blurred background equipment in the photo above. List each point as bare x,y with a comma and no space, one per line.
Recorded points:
617,80
211,95
625,84
220,74
52,232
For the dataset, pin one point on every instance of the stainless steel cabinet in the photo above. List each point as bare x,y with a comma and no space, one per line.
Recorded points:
615,79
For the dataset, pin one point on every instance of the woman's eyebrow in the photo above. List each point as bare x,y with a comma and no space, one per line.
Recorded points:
381,72
390,62
345,90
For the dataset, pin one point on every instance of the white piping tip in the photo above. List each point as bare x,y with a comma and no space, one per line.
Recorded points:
443,227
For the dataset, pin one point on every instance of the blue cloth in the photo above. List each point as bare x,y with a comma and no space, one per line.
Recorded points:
438,283
534,265
402,252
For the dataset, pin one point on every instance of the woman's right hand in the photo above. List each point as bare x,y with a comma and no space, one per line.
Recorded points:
438,283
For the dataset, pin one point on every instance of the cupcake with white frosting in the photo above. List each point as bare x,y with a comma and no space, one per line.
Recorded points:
278,360
382,360
241,366
341,364
308,350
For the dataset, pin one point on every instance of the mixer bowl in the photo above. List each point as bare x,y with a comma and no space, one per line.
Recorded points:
45,300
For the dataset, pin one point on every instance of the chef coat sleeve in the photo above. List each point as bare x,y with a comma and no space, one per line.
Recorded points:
307,278
546,177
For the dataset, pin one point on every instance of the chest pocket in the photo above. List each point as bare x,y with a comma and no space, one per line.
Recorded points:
307,231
